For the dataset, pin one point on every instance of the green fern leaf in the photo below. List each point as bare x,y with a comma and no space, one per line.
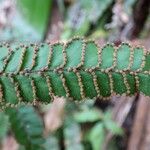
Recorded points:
77,69
4,125
27,127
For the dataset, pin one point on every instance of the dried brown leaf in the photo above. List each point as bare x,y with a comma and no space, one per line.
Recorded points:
10,144
54,116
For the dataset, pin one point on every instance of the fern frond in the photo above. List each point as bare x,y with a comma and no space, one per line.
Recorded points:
77,69
27,126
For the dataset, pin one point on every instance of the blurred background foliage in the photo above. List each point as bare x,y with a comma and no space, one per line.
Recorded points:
90,125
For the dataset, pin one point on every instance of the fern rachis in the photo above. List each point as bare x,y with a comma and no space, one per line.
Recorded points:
76,69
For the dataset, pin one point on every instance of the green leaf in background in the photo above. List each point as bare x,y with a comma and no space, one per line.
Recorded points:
4,125
95,8
52,143
72,135
111,125
88,115
128,6
97,136
27,126
82,14
36,13
28,21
